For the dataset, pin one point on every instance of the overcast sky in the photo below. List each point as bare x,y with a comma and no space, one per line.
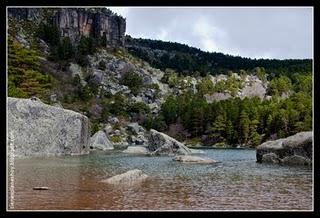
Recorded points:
249,32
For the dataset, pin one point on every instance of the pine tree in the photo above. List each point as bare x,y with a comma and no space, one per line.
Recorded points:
244,123
218,128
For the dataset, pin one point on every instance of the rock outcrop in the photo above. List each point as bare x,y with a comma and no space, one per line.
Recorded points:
38,129
293,150
194,159
31,14
100,23
160,143
100,141
131,177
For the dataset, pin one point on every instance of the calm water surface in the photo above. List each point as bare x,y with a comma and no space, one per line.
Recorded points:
237,183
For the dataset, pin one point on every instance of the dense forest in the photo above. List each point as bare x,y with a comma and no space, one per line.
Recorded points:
188,60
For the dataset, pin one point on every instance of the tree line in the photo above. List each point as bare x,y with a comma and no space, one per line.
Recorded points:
188,60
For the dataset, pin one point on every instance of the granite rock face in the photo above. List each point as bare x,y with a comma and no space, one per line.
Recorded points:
38,129
30,14
293,150
162,144
99,23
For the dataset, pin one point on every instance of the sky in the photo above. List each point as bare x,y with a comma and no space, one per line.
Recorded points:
278,32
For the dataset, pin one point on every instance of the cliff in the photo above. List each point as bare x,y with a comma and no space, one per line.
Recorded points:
38,129
99,23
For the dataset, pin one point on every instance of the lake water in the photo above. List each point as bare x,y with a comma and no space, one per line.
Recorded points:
237,183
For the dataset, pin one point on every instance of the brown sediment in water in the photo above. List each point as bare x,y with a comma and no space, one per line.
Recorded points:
75,185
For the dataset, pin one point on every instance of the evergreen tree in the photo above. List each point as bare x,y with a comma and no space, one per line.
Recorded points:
218,128
244,123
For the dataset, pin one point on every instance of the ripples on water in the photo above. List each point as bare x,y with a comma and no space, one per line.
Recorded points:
237,183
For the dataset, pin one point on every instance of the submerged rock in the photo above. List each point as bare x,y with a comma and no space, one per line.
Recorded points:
194,159
196,151
295,149
136,150
100,141
160,143
130,177
38,129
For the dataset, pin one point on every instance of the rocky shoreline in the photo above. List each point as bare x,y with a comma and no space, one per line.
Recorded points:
293,150
41,130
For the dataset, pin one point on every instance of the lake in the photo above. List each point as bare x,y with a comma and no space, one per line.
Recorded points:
237,183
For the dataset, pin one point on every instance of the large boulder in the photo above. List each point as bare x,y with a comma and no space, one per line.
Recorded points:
160,143
295,149
100,141
194,159
38,129
131,177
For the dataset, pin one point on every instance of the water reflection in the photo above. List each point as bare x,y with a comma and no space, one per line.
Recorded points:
238,182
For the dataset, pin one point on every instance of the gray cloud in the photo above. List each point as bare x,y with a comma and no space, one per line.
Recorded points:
249,32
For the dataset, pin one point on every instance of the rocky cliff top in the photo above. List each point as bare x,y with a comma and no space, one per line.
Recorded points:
99,23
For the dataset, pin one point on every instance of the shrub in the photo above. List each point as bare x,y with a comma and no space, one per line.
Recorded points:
102,65
115,139
139,107
49,33
133,81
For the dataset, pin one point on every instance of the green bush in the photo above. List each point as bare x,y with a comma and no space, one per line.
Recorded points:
138,107
133,81
49,33
115,139
102,65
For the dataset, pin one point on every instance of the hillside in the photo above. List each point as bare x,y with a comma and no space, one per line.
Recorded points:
188,60
194,96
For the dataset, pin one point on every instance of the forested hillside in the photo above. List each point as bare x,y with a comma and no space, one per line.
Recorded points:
192,61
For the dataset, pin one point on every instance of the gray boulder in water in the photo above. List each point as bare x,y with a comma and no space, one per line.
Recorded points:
100,141
38,129
194,159
160,143
131,177
293,150
136,150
